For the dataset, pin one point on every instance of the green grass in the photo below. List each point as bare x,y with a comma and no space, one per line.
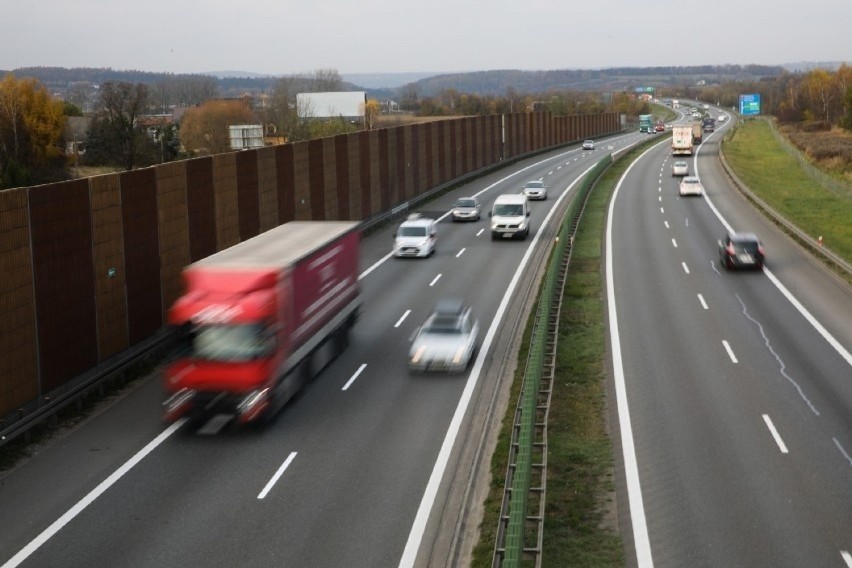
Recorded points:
769,171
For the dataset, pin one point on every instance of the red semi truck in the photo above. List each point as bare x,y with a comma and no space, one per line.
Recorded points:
261,318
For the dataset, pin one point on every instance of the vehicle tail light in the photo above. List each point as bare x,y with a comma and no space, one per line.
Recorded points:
729,249
760,250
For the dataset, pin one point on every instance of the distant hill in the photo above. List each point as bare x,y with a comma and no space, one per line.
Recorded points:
619,78
385,86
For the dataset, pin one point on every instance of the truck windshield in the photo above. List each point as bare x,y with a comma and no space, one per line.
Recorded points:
232,342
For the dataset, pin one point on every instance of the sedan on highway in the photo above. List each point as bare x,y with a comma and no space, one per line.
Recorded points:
589,145
447,341
741,250
690,185
535,189
466,209
680,168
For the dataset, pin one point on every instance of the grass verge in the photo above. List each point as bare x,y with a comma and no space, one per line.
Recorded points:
767,169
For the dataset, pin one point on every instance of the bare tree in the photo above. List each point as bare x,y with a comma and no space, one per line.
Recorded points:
120,104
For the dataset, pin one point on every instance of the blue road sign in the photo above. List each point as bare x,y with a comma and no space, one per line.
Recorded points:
749,104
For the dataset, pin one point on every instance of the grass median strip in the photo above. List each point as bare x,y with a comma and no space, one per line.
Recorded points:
580,527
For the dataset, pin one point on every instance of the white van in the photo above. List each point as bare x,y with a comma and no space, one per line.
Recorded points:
510,217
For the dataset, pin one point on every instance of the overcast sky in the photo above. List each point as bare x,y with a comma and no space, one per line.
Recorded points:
281,37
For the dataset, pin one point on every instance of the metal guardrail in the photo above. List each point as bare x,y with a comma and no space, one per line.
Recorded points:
25,419
523,504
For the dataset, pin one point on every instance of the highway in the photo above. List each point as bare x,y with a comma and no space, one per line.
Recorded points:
730,408
356,471
735,388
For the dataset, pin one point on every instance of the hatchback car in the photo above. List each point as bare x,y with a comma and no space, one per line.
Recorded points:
589,145
741,250
416,237
535,189
466,209
680,168
690,185
447,341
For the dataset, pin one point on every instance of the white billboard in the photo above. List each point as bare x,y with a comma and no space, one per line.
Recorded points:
346,104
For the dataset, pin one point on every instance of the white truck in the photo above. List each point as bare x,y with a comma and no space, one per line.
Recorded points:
682,140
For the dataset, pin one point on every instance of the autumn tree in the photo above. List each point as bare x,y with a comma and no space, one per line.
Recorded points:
31,125
372,110
205,129
114,134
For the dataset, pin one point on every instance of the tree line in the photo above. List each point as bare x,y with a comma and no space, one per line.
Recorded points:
32,145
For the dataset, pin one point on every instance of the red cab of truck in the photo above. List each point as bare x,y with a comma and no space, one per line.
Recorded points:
259,319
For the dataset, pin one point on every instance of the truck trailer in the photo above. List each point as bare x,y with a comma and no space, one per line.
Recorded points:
258,320
696,133
646,123
681,140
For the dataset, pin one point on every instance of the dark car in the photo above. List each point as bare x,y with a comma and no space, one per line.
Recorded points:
741,250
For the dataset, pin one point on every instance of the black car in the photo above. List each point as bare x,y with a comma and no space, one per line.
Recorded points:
741,250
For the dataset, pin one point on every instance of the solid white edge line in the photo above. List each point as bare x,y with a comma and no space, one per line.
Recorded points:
271,483
402,319
775,434
842,351
730,351
641,540
418,528
355,376
69,515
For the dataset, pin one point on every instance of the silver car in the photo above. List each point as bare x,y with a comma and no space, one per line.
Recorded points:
535,189
446,342
680,168
466,209
589,145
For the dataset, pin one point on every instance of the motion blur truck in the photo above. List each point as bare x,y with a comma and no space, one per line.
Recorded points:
681,140
261,318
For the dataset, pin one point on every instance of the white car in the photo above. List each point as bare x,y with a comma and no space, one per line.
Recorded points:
589,145
416,237
680,168
723,117
535,189
690,185
446,342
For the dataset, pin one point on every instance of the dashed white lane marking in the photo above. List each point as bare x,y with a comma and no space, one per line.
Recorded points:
703,303
277,475
432,283
402,319
775,434
355,376
730,351
685,267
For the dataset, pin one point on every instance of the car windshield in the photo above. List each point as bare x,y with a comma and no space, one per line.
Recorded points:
412,231
232,342
465,203
680,164
444,324
508,210
690,180
535,184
